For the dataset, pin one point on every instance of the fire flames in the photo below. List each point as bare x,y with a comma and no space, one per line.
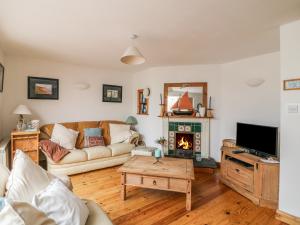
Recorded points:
184,144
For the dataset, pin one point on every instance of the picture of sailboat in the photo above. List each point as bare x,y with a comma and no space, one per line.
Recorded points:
183,106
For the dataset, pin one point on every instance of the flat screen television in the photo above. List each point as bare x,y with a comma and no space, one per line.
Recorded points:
257,138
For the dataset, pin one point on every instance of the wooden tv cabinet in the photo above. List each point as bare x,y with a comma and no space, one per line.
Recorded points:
249,176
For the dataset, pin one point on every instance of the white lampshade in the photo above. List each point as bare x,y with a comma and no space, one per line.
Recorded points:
22,110
132,56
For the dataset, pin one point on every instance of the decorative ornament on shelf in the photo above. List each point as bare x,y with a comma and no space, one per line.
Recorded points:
146,92
201,110
21,110
132,56
162,107
209,112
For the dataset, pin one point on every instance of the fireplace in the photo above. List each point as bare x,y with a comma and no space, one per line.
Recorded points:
184,144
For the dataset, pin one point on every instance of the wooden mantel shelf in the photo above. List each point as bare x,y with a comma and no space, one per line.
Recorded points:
186,117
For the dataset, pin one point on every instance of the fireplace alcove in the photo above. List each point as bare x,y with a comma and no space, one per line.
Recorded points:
184,144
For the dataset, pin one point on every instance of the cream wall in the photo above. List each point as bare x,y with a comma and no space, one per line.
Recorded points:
289,196
1,99
73,104
241,103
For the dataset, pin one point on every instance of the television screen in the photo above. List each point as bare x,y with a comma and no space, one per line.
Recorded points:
256,137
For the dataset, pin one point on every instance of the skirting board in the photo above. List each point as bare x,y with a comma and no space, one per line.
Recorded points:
287,218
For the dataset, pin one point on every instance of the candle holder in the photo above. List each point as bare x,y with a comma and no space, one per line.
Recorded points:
162,110
157,160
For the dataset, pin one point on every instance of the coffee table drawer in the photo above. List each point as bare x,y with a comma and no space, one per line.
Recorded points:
133,179
178,185
155,182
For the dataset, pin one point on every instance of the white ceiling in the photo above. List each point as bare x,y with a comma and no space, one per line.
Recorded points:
172,32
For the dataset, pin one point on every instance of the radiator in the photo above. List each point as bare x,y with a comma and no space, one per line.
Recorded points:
4,151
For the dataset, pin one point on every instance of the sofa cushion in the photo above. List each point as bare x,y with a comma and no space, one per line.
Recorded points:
21,213
74,156
63,136
97,152
93,137
26,179
71,211
105,129
4,174
46,130
120,148
81,126
119,133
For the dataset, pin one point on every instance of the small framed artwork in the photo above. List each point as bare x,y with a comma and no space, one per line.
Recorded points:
111,93
1,77
293,84
43,88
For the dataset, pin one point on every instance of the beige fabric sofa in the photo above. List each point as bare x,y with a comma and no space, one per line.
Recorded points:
82,159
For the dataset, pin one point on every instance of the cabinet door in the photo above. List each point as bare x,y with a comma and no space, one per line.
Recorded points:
269,182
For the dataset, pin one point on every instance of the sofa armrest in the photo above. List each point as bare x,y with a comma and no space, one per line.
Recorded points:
96,215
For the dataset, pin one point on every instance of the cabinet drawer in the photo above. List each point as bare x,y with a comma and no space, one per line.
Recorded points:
155,182
32,154
133,179
25,145
178,185
241,175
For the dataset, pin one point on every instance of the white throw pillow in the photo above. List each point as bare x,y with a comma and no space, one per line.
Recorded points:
26,179
119,132
4,174
61,205
64,137
21,213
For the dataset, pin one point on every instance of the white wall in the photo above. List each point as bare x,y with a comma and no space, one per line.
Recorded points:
73,104
1,99
289,197
154,78
241,103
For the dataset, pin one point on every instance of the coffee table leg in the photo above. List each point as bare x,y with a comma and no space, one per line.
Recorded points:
189,196
123,186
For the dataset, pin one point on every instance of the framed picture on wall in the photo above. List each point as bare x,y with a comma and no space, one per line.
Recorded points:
111,93
43,88
1,77
293,84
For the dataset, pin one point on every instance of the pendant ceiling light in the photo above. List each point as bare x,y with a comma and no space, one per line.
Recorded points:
132,55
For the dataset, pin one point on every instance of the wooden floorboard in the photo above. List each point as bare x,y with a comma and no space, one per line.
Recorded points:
212,202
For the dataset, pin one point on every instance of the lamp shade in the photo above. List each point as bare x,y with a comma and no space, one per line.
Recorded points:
22,110
132,56
131,120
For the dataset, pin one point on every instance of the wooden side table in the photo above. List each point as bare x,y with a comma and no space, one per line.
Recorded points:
28,142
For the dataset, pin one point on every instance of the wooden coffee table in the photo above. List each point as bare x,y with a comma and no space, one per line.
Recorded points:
170,174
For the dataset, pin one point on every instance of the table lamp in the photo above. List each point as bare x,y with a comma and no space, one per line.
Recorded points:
131,120
21,110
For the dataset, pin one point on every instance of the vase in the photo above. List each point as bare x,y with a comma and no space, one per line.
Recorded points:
202,111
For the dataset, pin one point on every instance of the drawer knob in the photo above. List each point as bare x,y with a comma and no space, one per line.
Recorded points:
154,182
237,170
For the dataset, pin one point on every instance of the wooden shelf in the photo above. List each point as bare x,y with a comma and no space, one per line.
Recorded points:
186,117
142,103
